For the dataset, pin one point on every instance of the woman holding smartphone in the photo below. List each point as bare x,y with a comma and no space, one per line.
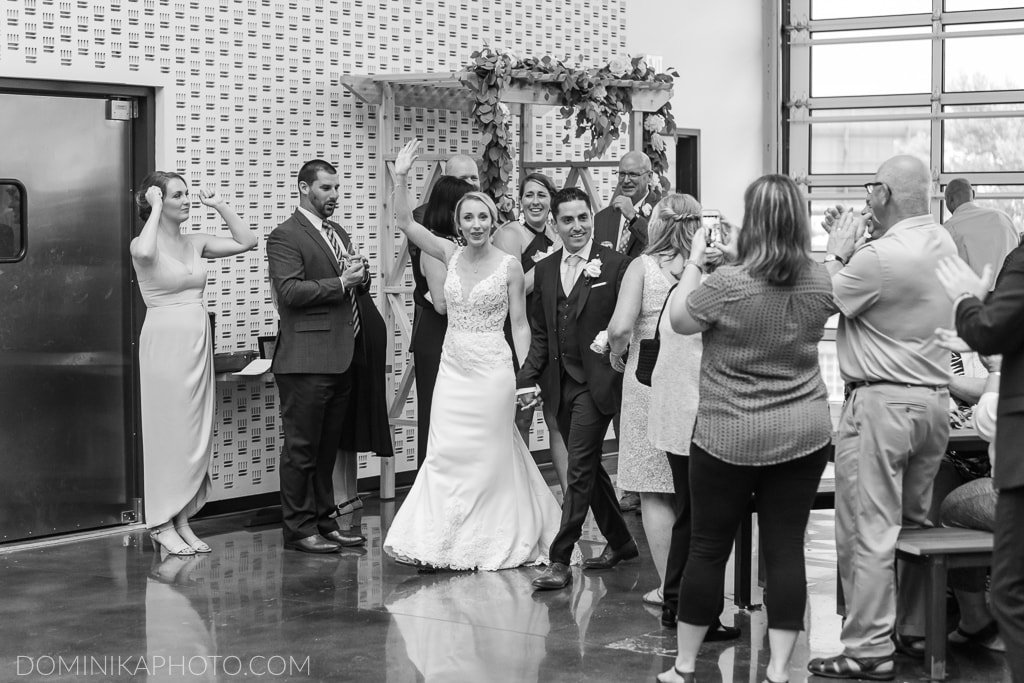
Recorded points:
763,429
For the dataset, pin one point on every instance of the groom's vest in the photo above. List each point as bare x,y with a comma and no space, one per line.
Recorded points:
568,336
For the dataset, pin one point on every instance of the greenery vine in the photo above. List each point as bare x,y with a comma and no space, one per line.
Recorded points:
594,100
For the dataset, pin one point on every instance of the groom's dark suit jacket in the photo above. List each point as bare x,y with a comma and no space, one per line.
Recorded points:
595,302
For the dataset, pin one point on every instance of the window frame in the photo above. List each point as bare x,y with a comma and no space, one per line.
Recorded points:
22,222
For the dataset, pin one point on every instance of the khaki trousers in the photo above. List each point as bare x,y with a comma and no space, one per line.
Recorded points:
889,446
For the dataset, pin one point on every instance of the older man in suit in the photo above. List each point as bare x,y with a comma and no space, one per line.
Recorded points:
318,284
991,323
622,225
574,296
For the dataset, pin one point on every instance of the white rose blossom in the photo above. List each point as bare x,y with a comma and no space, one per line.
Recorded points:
618,66
593,268
654,123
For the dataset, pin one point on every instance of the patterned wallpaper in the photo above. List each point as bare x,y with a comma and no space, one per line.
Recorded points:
249,89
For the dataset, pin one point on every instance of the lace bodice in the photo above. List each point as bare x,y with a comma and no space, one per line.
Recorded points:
476,317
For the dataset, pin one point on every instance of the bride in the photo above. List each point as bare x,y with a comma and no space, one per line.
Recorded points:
479,501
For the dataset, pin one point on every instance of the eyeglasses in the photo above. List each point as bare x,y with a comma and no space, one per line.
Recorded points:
632,175
870,187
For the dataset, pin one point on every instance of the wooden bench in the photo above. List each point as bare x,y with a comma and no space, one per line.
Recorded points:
939,550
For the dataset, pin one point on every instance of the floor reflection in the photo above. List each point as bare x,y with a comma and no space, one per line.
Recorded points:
358,616
470,626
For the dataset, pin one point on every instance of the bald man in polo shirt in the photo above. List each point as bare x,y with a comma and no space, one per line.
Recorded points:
894,426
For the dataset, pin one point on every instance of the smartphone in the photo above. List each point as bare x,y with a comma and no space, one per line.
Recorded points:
711,220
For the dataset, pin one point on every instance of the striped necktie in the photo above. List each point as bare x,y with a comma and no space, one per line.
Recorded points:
339,253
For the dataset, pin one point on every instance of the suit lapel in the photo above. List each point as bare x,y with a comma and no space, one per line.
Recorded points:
318,239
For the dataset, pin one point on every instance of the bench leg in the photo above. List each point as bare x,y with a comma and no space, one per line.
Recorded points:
743,548
935,624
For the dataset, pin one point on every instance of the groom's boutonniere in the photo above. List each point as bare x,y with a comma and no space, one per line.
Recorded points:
593,268
645,210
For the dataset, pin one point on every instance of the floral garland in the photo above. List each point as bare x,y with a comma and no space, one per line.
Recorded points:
590,98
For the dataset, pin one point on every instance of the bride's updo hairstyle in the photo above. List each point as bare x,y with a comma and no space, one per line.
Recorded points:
484,199
159,178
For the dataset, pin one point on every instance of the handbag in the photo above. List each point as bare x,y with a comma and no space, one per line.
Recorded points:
647,357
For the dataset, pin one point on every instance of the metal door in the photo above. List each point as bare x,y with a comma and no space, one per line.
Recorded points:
65,325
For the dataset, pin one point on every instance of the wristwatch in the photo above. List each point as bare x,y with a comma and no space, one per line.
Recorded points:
832,257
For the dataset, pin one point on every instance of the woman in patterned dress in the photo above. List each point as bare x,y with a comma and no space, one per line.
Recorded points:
648,280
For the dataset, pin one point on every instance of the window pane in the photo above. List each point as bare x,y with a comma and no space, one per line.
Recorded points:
883,68
12,202
828,359
843,9
982,63
852,147
983,144
967,5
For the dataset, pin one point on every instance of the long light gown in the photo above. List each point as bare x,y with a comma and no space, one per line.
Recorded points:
176,385
479,501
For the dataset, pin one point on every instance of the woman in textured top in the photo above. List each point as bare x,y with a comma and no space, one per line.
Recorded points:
431,322
763,427
529,240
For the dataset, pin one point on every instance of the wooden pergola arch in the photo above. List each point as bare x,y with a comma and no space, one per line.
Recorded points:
446,91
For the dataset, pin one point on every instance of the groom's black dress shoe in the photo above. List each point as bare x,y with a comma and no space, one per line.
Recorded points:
609,558
345,540
313,544
556,576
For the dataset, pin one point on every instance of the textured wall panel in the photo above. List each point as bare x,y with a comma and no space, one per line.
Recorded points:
252,92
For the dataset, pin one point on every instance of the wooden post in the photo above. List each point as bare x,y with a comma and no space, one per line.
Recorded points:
386,139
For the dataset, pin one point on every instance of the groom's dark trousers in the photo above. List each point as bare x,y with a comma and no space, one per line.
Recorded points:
589,485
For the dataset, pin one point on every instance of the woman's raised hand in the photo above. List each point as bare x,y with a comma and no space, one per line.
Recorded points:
406,157
154,196
209,197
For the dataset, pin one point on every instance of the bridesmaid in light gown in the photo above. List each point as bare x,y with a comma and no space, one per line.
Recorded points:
176,354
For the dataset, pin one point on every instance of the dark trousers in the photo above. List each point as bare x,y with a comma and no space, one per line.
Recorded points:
312,411
427,340
720,494
583,426
679,547
1008,575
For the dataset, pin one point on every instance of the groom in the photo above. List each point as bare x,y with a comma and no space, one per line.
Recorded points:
575,291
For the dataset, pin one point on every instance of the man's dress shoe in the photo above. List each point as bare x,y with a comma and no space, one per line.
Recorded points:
313,544
345,540
609,558
556,576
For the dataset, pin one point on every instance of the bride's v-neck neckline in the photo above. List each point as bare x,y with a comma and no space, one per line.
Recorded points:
462,289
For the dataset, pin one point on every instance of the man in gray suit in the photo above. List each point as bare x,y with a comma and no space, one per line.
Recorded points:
317,281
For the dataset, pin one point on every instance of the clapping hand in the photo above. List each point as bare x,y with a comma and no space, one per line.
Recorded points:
354,273
154,197
832,215
406,157
957,278
209,197
849,231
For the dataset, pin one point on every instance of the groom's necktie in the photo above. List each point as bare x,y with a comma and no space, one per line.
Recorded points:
572,266
339,253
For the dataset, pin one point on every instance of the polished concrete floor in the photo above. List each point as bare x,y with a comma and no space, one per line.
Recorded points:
109,609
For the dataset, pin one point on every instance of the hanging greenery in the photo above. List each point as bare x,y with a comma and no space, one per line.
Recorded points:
594,100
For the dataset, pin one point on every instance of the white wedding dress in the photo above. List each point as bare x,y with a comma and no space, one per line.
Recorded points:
479,501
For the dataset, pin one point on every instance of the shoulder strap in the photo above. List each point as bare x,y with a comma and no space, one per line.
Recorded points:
657,328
